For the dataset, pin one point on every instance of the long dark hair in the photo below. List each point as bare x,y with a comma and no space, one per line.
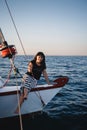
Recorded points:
40,54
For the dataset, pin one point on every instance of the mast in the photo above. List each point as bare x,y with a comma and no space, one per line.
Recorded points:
2,39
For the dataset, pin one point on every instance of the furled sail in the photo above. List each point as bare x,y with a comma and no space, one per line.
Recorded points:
2,39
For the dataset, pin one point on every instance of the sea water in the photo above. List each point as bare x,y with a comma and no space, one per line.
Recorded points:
68,109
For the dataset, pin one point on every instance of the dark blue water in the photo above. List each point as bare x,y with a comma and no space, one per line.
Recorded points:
68,109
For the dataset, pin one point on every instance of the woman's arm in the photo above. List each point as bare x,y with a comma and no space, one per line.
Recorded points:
46,76
30,66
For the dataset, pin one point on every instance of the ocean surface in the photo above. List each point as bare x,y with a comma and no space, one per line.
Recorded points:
68,109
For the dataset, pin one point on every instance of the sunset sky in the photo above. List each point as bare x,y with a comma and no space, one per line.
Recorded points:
56,27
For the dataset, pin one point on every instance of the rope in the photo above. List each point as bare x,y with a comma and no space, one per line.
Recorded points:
21,125
7,78
43,103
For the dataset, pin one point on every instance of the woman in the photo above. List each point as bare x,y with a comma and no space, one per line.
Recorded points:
36,67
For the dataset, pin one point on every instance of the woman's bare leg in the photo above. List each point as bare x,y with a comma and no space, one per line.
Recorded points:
25,93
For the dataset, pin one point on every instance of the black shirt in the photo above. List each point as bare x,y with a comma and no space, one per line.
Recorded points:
37,70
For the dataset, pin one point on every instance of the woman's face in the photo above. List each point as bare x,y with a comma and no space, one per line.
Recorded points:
39,59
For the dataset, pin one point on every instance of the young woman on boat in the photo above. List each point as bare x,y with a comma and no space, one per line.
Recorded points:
36,67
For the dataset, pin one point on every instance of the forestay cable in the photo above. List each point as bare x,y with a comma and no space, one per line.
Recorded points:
15,27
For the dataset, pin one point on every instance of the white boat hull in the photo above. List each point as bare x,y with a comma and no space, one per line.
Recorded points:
8,103
9,99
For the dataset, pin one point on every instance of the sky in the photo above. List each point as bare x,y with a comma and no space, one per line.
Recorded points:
56,27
